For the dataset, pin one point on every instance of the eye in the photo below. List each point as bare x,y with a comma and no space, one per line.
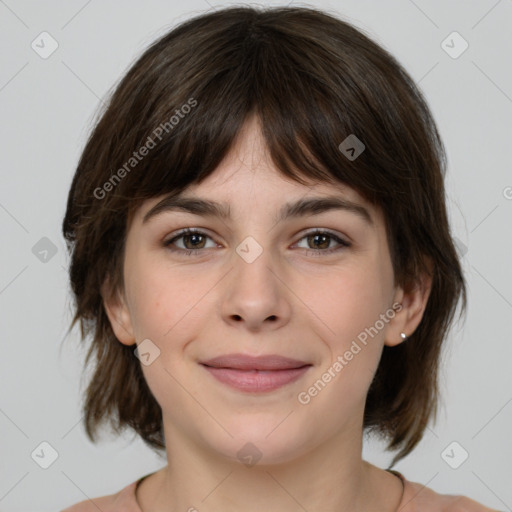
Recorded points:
320,240
193,239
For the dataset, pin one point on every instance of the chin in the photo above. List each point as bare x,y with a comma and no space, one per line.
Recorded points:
261,443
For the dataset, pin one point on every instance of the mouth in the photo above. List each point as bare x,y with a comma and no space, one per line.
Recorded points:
255,374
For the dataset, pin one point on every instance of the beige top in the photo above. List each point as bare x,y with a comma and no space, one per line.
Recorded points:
416,498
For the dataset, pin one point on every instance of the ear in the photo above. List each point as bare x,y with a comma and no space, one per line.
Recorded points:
118,314
411,302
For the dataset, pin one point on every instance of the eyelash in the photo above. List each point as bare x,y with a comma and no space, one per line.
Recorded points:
310,252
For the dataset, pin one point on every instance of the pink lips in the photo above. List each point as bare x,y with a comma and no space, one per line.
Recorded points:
255,374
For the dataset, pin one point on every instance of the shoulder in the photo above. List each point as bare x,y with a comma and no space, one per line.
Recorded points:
419,498
122,501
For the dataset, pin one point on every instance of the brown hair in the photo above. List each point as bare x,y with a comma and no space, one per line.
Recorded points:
312,80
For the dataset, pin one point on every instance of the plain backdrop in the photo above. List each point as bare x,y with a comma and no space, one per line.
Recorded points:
46,110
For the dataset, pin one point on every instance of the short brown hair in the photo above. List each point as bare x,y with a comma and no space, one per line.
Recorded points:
312,80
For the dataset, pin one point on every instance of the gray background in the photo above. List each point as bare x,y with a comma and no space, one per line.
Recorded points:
47,107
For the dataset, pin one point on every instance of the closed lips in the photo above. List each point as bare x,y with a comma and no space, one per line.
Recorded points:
255,374
262,363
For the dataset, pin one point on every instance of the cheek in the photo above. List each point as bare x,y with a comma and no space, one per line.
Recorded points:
163,311
353,336
353,306
154,299
166,302
352,299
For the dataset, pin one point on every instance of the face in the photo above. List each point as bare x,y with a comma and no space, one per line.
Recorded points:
315,287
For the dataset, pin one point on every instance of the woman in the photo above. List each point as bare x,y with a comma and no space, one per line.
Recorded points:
261,252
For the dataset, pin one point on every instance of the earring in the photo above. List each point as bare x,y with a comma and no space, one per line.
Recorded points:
403,335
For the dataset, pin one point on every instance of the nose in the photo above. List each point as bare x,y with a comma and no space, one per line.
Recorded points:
255,296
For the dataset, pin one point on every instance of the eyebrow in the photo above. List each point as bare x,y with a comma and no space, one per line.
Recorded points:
300,208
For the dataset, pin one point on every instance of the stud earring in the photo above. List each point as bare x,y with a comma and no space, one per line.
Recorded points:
403,335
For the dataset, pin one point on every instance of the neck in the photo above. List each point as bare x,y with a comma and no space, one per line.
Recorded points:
333,476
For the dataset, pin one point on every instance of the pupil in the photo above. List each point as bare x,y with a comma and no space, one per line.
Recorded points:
194,237
316,237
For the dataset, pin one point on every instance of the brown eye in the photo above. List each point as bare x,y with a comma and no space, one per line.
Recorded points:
192,242
320,243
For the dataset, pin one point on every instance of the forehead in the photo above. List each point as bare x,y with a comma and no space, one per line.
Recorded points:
269,206
247,179
230,192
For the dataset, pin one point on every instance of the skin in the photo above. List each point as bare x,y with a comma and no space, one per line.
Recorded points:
288,301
